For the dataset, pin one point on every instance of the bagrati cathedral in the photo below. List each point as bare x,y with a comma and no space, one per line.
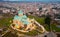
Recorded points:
21,21
24,24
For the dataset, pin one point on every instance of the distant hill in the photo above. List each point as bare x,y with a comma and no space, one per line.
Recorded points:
31,1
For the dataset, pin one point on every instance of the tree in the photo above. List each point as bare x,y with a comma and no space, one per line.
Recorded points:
48,20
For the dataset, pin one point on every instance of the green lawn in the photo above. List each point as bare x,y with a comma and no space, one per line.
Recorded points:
41,21
6,22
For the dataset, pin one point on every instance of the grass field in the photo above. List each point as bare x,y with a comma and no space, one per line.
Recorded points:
41,21
6,22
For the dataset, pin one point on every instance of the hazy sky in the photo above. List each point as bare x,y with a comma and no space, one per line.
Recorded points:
29,0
